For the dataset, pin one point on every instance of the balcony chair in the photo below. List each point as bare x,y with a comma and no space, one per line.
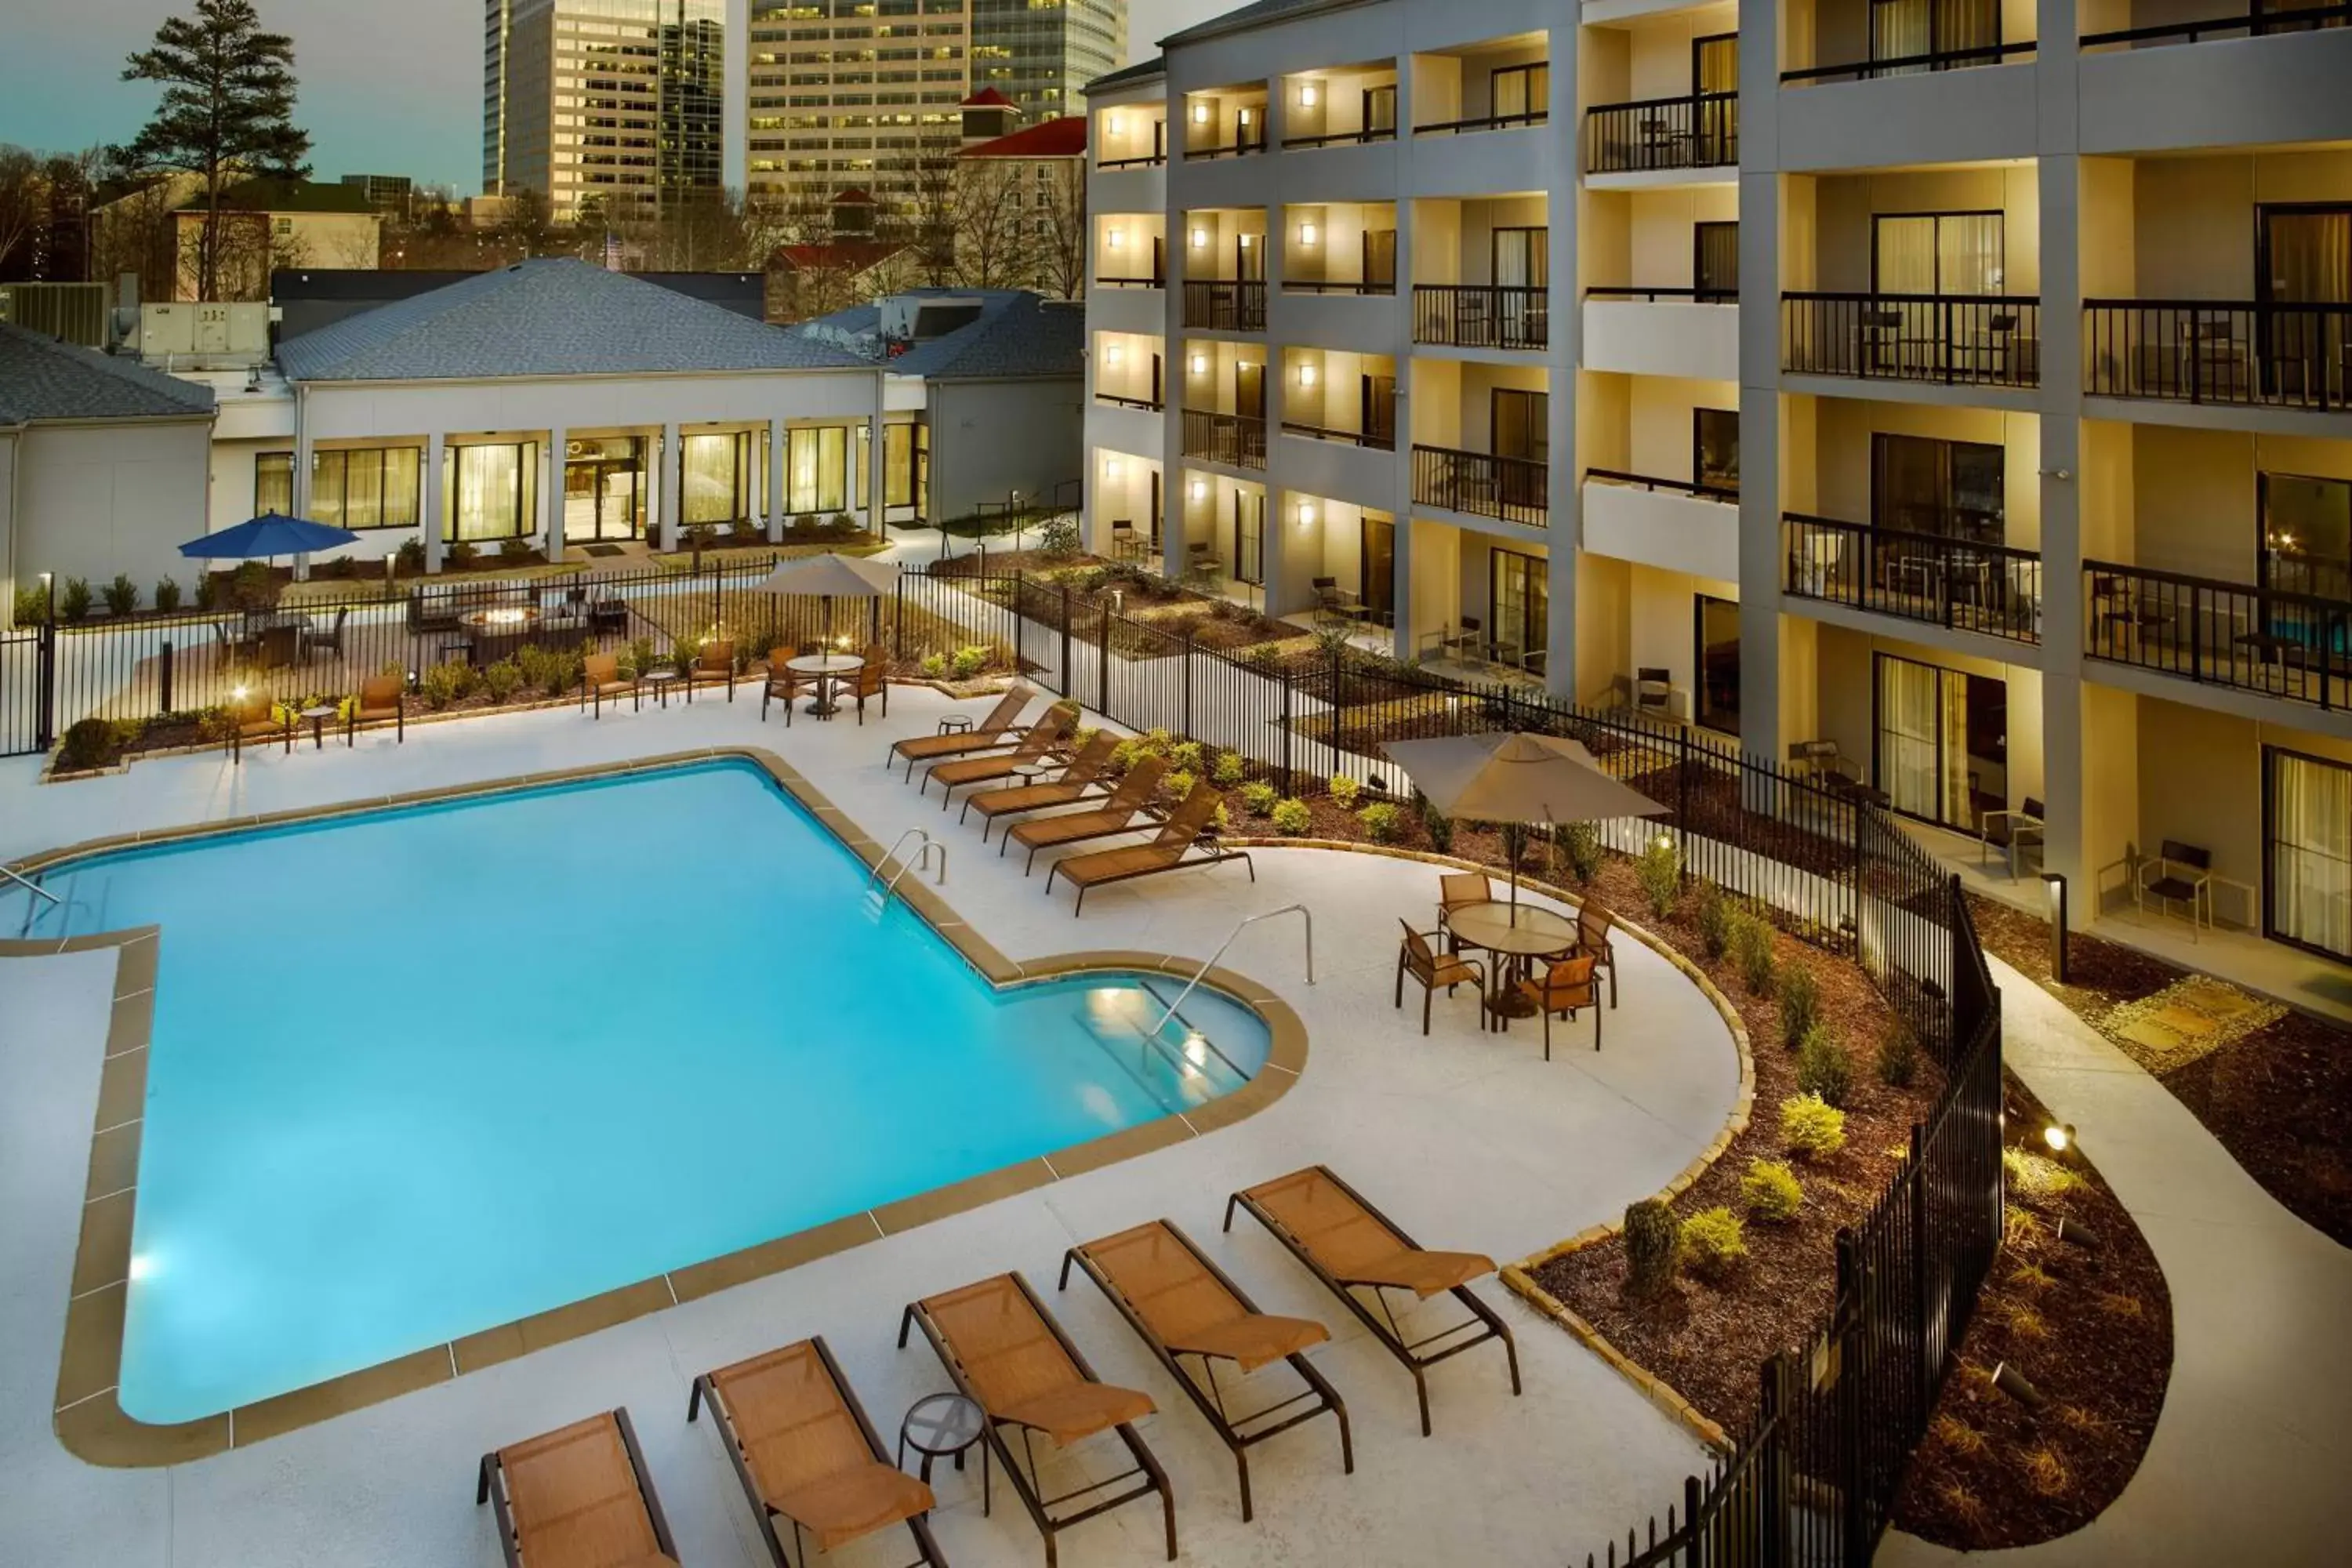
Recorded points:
2181,874
1822,762
1654,692
2022,823
1123,546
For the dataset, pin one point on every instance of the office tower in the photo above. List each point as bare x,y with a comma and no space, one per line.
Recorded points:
614,102
1041,56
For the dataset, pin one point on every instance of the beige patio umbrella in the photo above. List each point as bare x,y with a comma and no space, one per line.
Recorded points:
1519,781
831,576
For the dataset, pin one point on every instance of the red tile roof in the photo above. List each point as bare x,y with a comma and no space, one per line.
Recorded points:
1063,138
987,98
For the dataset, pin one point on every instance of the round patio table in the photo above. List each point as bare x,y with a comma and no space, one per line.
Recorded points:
1515,936
827,668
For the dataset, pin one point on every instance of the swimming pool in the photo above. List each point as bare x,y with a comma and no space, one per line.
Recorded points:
417,1073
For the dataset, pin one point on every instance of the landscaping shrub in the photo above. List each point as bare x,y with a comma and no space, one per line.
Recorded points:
501,680
1331,643
1770,1192
410,556
89,743
253,586
122,595
934,665
1823,1066
967,662
75,602
699,537
207,591
32,606
1178,783
446,683
1262,657
1344,791
167,595
1188,757
1898,1054
1712,912
1751,951
1801,1003
461,552
1291,818
1221,820
1660,872
1577,846
2034,1177
684,651
1653,1244
515,551
1227,773
1258,797
1810,1127
1382,822
1714,1241
1059,537
1438,825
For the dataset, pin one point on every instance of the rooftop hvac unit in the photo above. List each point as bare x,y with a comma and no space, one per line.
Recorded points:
74,312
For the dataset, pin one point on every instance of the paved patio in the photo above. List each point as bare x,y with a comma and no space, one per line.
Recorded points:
1468,1139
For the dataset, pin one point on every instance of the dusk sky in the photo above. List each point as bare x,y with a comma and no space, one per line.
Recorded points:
386,88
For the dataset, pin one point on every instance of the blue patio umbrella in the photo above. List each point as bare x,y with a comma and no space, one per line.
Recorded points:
272,534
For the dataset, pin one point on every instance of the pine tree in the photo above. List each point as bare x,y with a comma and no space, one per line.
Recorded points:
227,114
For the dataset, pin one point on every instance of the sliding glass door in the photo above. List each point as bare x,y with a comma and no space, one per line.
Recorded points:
1941,742
1376,569
1938,253
1521,599
2308,852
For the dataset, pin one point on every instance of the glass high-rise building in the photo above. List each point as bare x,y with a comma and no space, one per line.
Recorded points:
1041,55
614,102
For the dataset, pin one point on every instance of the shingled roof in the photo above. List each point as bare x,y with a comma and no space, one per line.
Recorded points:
1018,334
552,318
43,378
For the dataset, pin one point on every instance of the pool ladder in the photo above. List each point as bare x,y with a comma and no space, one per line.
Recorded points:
1301,911
32,905
920,863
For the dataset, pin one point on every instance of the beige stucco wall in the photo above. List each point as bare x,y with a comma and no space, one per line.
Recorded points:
1844,204
2195,494
2200,783
1842,459
2194,227
1845,665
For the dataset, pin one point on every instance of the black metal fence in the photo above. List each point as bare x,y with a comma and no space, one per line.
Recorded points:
2295,646
2209,350
1994,589
1989,340
1516,490
1224,306
1237,440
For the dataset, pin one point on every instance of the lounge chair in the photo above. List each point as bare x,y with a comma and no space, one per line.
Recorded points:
1350,1246
1192,1317
1593,919
1041,743
1005,1354
378,703
807,1452
872,680
600,678
1127,809
1170,851
714,665
1434,969
1566,986
258,718
1082,778
577,1497
997,728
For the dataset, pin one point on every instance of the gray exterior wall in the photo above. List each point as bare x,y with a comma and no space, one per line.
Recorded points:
94,498
989,438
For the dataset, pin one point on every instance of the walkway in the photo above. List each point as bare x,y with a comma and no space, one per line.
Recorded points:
2251,1453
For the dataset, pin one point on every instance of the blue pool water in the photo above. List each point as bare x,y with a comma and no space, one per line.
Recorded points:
419,1073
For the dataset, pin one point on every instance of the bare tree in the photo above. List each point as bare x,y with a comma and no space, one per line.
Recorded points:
135,230
23,207
1060,242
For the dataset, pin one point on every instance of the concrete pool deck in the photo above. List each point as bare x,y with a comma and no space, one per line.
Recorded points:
1467,1139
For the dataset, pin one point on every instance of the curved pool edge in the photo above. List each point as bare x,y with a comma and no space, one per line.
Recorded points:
88,1417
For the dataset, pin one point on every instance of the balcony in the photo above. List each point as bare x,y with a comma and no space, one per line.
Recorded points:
1989,340
1515,121
1220,306
1514,490
1158,160
2240,25
2294,647
1482,315
1377,440
1236,441
2235,355
1147,405
1989,589
1699,131
1688,332
1912,65
1673,525
1152,281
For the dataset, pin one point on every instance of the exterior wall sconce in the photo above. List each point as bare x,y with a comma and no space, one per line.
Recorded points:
1307,95
1114,354
1200,114
1115,239
1111,469
1199,364
1306,375
1305,233
1200,489
1306,513
1113,123
1200,238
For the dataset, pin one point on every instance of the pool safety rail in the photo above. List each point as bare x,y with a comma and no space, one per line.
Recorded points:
920,863
1301,911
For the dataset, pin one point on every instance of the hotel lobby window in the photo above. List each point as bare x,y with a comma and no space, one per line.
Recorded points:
717,478
817,470
495,490
376,486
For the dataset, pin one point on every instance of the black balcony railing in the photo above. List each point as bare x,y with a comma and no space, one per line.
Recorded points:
1914,65
2297,647
1700,131
1341,139
1300,286
2238,26
2204,351
1512,122
1628,291
1982,339
1237,440
1516,490
1992,589
1225,307
1482,315
1152,283
1148,161
1229,150
1726,493
1379,440
1149,404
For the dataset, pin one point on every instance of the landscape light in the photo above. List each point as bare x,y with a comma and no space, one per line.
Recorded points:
2060,1137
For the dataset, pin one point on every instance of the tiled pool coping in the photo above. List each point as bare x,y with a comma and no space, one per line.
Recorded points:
91,1423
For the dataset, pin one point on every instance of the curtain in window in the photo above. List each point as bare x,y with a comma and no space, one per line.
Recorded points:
496,491
2311,852
1959,807
1520,603
717,479
273,483
1909,718
898,465
1899,30
818,470
1906,255
1968,253
2310,255
1249,538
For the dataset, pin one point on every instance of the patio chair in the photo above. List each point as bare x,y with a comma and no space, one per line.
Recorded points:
1192,1316
787,686
1653,691
1005,1354
1330,605
1125,809
378,703
330,636
1569,985
600,678
1082,778
807,1452
2182,874
578,1496
714,665
1432,969
2024,824
1041,743
257,717
1593,919
1457,889
1351,1246
1170,851
997,728
872,680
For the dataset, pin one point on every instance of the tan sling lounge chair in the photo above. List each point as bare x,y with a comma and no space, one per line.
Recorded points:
997,729
1170,851
600,678
1005,1354
1127,809
577,1497
1081,779
807,1453
378,703
714,665
1351,1246
1192,1317
1042,742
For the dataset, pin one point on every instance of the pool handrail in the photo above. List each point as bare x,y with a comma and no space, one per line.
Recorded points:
30,886
922,859
1300,910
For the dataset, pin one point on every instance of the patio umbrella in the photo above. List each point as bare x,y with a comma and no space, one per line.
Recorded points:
831,576
1517,780
272,534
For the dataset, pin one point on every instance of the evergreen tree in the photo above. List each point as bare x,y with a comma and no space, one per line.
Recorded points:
227,114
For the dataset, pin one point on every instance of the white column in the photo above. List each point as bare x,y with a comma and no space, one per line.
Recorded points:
301,487
873,459
671,485
436,447
776,429
551,494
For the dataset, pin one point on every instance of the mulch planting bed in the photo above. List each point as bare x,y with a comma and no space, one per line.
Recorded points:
2091,1330
2275,1098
